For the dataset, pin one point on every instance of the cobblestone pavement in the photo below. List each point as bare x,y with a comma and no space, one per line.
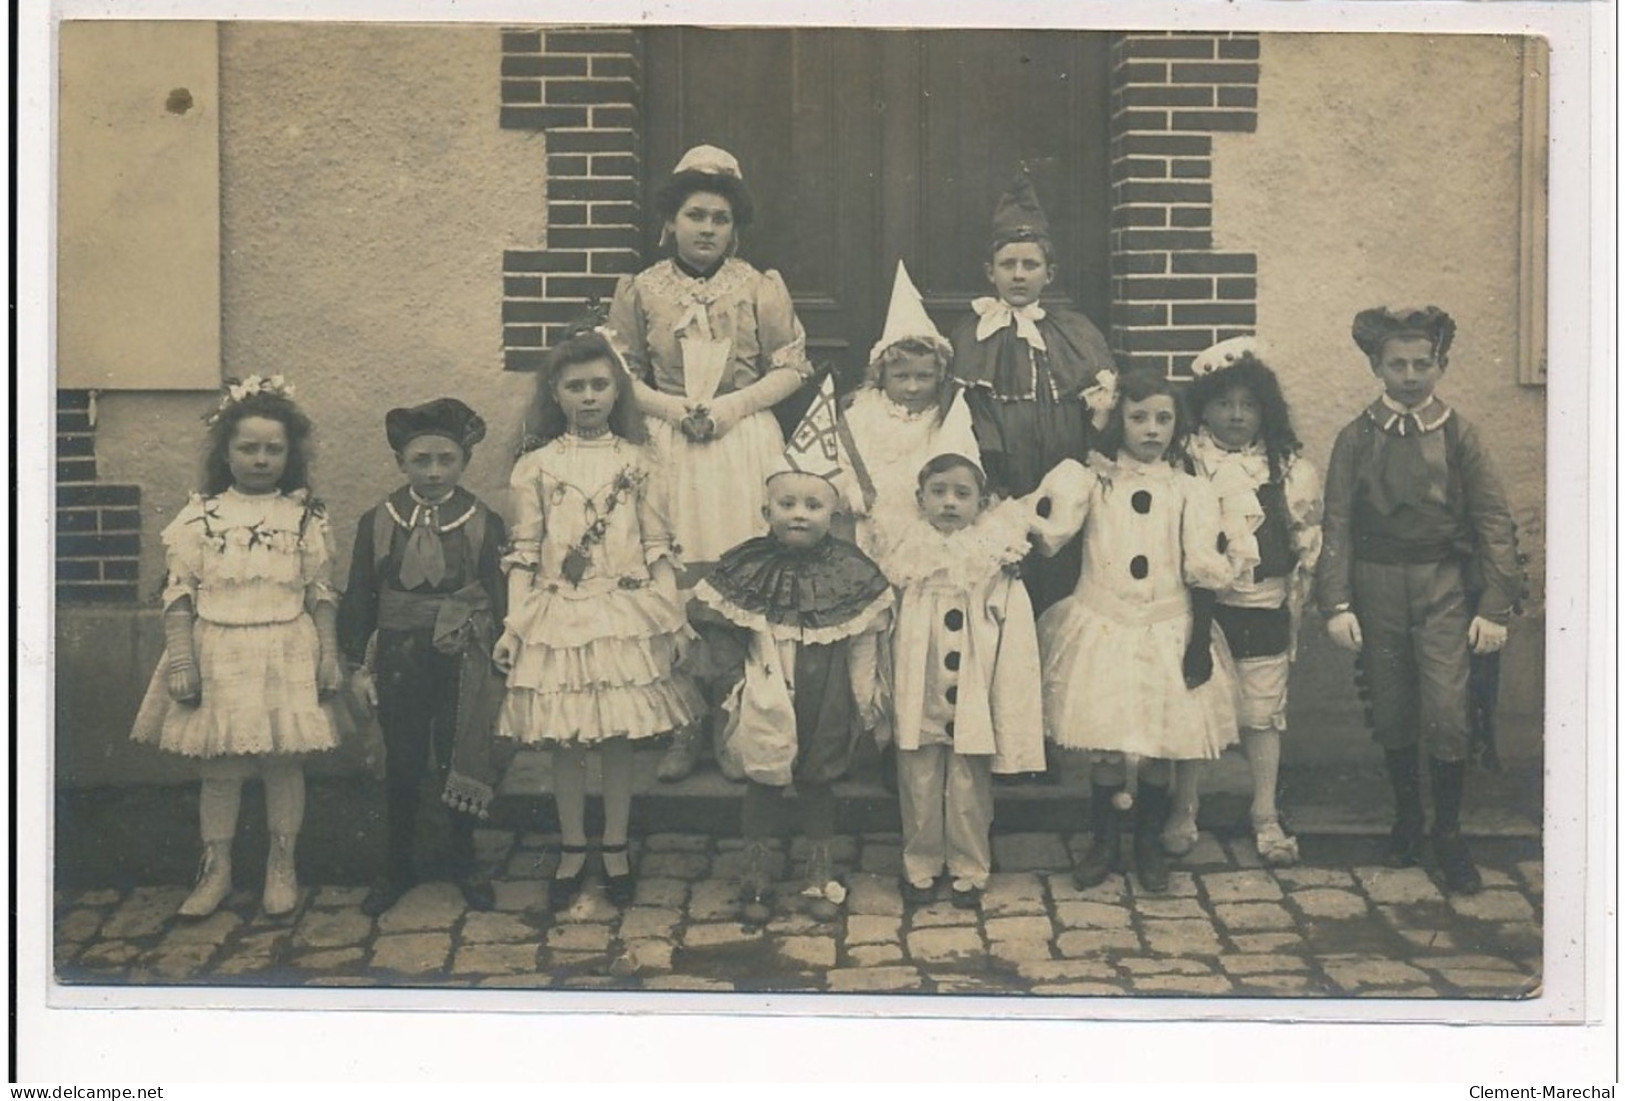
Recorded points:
1336,926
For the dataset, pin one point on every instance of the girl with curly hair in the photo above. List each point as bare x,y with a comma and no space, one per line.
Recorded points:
250,631
1270,499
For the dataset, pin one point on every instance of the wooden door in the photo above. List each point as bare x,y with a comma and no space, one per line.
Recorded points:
862,146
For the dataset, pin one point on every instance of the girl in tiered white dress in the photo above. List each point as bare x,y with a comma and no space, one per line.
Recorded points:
250,633
594,622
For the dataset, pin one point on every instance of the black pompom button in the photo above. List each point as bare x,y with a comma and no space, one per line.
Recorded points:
1138,567
948,729
954,620
951,660
952,693
1141,501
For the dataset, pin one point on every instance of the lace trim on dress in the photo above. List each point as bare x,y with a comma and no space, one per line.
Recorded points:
274,547
907,416
668,281
869,618
1235,477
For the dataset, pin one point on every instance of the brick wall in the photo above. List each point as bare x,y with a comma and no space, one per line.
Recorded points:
98,527
579,88
1172,294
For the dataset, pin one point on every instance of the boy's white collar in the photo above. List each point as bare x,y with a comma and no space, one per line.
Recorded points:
1427,416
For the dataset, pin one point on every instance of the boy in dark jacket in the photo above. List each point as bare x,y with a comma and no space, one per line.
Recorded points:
425,576
1413,507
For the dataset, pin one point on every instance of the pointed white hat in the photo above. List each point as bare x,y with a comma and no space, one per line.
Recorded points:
906,318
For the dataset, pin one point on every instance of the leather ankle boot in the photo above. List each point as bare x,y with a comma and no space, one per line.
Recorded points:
1105,824
1449,850
213,883
1150,813
1405,839
281,881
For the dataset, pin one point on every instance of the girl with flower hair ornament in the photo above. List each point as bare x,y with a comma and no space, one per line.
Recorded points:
251,645
594,623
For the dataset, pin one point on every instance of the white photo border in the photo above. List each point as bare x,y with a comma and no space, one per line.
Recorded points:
67,1034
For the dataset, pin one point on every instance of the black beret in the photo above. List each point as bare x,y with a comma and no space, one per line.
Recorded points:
446,417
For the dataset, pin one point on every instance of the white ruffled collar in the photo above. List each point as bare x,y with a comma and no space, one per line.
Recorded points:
1127,468
1211,454
919,552
877,397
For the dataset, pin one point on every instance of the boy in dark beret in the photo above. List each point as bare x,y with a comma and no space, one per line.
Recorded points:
425,577
1419,566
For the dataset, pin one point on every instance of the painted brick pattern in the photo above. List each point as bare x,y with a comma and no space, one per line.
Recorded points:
1172,294
581,88
98,527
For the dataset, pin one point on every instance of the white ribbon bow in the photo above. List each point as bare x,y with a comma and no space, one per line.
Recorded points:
1101,398
996,313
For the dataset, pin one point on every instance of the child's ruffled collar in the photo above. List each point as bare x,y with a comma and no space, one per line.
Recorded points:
821,595
1126,467
919,552
1213,456
876,397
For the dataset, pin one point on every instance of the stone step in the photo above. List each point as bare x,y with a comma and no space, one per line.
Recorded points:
1333,800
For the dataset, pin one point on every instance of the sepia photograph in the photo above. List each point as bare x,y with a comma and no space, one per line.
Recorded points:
1050,517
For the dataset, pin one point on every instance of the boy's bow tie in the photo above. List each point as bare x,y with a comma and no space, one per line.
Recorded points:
996,313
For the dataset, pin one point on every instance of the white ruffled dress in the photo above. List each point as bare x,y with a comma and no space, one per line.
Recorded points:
595,653
252,564
894,444
1113,651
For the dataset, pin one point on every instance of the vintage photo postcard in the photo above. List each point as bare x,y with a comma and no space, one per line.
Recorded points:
556,515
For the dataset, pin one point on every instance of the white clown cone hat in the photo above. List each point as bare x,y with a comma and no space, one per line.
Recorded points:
906,318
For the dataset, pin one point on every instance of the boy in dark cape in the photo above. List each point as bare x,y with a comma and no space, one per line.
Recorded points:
815,609
1027,369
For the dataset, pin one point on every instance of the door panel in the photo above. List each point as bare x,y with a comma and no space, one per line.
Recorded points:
986,103
862,146
794,107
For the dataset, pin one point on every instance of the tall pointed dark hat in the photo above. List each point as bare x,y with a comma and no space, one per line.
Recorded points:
1018,217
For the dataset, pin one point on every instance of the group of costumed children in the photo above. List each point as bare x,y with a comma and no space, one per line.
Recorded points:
988,505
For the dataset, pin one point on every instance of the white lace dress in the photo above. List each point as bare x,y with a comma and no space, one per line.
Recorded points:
252,564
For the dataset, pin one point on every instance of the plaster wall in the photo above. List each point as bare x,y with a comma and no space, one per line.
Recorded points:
367,195
1387,169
